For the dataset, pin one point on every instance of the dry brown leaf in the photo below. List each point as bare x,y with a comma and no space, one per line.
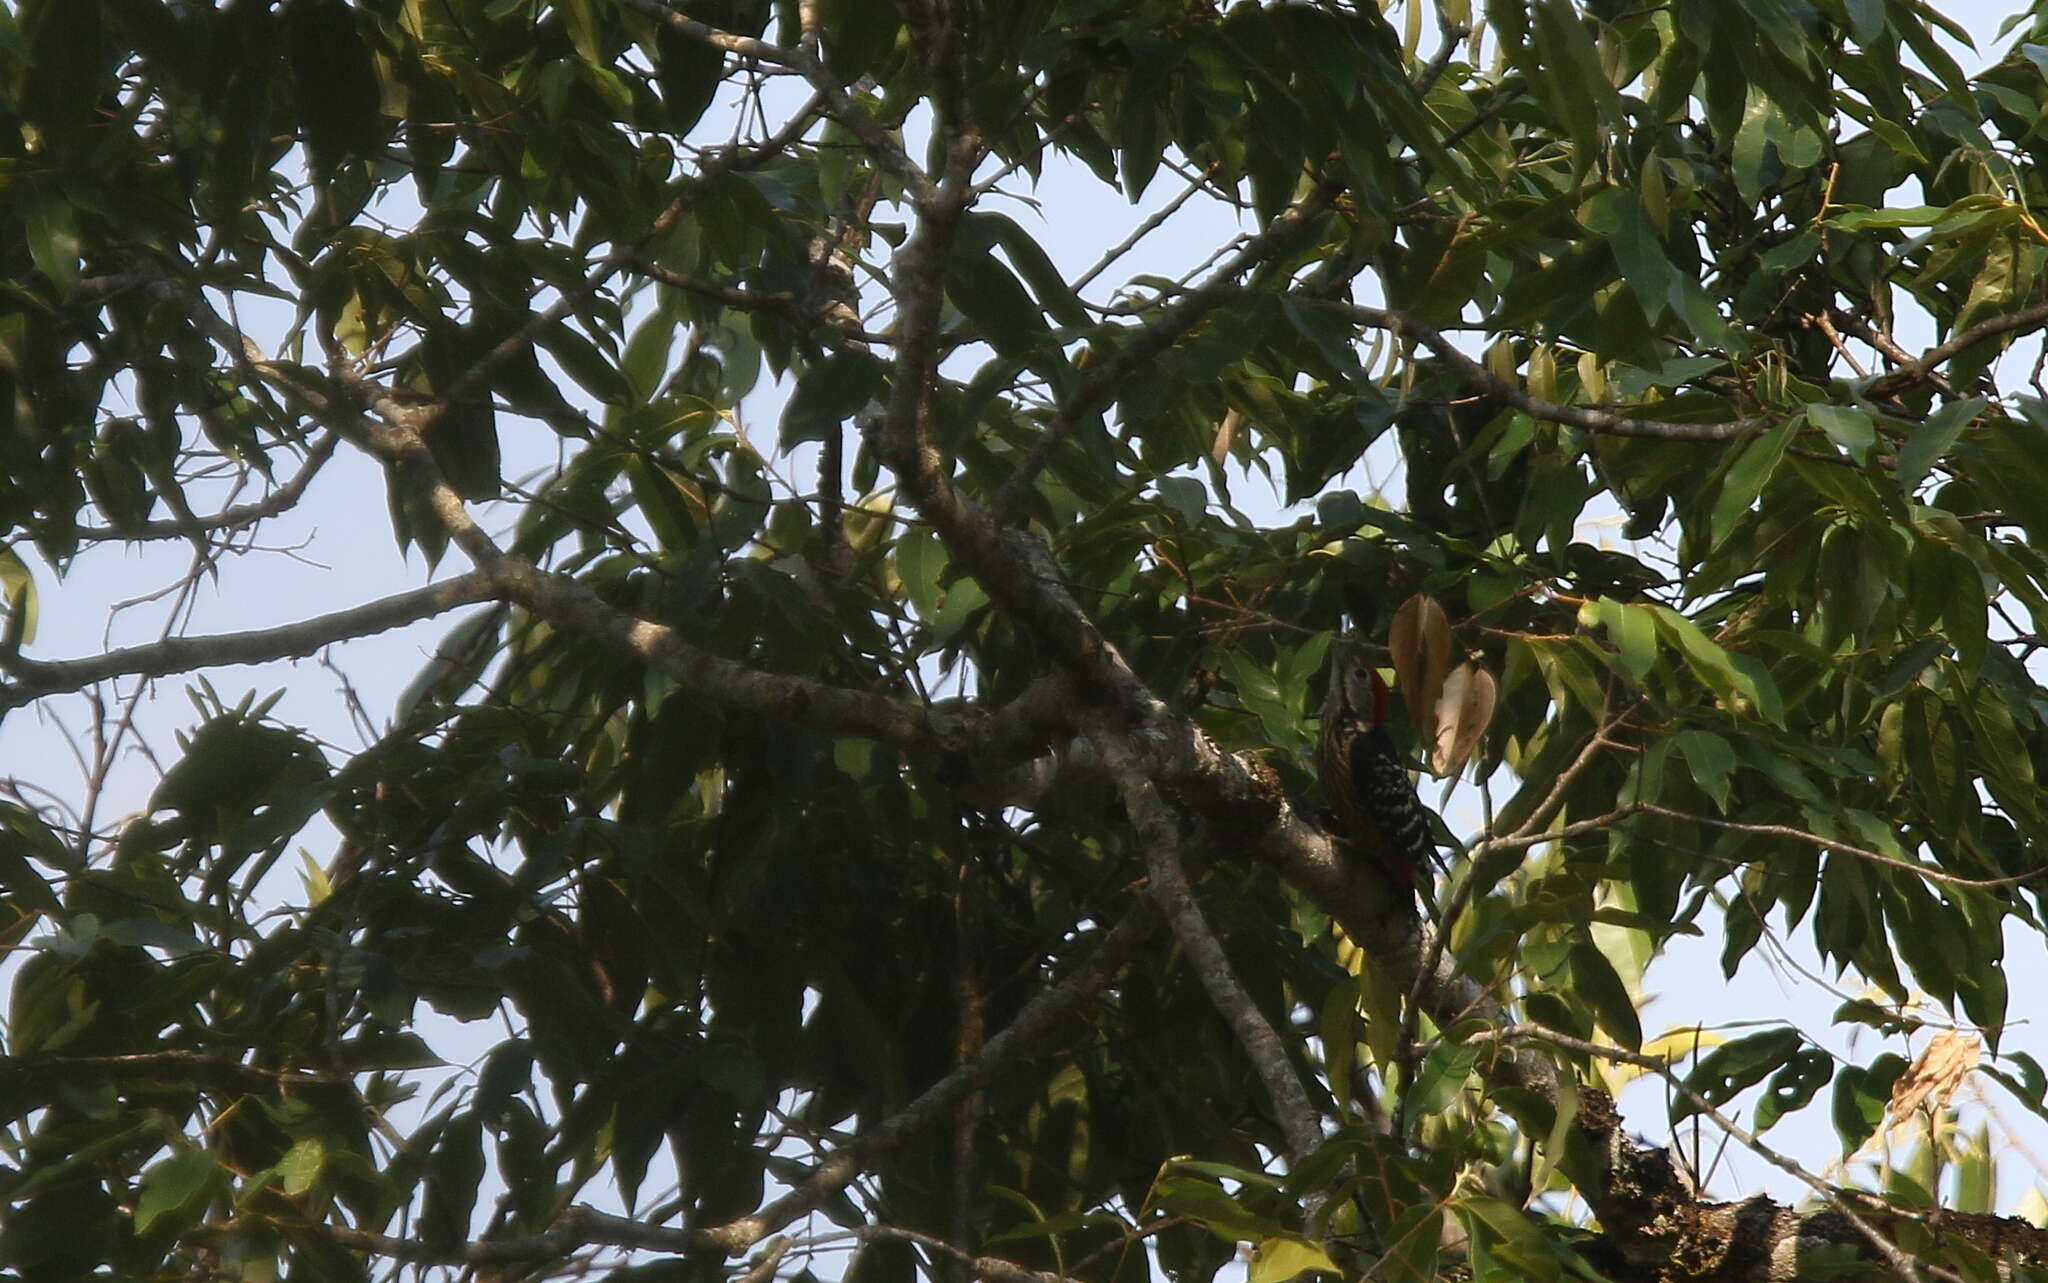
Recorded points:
1942,1067
1463,712
1421,643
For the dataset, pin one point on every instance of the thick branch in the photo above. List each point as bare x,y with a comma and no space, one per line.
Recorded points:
1158,833
1613,1215
1941,353
1019,574
573,607
34,679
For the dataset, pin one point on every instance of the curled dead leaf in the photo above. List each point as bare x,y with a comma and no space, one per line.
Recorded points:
1542,374
1420,640
1592,376
1463,712
1226,437
1500,359
868,520
1941,1068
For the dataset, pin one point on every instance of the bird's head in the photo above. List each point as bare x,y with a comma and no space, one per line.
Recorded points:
1356,689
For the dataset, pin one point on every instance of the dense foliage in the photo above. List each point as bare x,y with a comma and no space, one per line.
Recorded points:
895,849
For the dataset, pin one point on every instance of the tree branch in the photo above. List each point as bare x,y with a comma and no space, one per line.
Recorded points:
1885,1248
1933,358
35,679
1159,835
228,519
1481,379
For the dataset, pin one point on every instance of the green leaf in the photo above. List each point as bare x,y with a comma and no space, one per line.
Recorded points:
389,1050
455,1170
1751,139
1854,219
1716,668
1595,979
1568,674
53,241
1617,216
1734,1067
1712,762
300,1167
1848,428
339,91
1933,439
24,604
1567,72
687,72
1965,614
1186,496
154,933
1276,1260
582,361
175,1184
463,435
1747,476
995,301
233,770
507,1071
1631,629
1860,1096
1258,688
1446,1072
920,560
1910,20
1205,1203
64,71
1055,295
828,393
964,598
1793,1087
1558,1139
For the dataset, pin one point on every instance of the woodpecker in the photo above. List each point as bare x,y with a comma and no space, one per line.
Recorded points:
1363,778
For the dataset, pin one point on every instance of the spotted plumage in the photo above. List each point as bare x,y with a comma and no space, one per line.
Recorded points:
1364,780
